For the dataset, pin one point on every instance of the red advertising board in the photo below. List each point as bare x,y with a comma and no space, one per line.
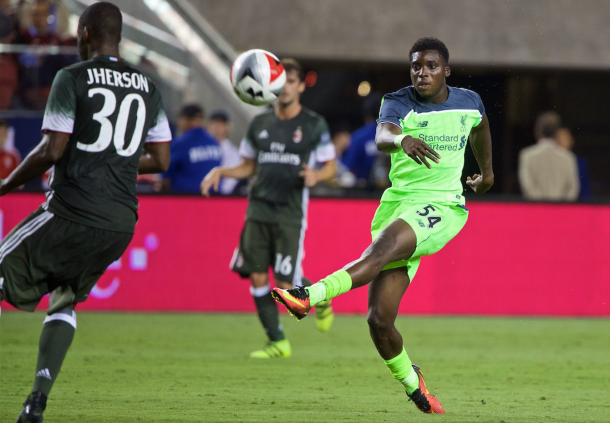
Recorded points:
510,259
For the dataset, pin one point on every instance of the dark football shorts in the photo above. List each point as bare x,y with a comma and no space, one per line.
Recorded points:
47,253
263,245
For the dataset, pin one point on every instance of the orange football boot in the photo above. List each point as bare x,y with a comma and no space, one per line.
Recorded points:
423,399
296,300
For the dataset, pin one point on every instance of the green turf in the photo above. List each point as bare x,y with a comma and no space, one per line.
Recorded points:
195,368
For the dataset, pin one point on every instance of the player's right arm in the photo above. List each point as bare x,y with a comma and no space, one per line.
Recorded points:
42,158
389,137
243,170
57,126
46,154
247,168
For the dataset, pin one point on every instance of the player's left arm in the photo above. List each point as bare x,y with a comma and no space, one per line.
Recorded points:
326,172
48,152
157,151
155,158
480,141
323,153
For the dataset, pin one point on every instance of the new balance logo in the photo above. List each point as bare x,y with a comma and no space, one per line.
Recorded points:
263,135
44,373
422,124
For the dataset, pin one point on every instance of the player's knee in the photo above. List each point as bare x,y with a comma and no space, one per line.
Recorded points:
67,315
259,280
378,321
260,291
375,257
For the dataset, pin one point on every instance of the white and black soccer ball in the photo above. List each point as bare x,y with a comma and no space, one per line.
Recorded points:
257,77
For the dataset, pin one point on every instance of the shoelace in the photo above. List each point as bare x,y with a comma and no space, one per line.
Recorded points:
299,293
272,349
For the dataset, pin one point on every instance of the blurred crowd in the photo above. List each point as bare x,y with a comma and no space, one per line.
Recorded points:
548,169
27,30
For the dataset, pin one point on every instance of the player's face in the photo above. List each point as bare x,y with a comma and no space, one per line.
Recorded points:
428,73
292,90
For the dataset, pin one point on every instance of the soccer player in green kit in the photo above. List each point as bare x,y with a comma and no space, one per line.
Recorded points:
425,128
104,123
280,147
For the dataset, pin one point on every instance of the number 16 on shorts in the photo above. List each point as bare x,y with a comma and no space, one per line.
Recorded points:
283,265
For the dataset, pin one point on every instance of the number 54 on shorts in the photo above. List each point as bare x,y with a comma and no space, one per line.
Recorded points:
434,224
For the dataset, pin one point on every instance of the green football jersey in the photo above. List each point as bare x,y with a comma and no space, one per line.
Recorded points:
109,109
281,148
445,127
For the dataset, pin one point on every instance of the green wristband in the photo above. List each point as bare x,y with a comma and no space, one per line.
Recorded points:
398,140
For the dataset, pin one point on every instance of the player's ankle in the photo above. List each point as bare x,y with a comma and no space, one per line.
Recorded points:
317,293
411,382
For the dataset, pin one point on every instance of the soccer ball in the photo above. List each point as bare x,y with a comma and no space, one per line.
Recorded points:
257,77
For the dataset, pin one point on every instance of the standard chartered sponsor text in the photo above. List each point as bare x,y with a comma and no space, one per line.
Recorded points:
445,147
439,138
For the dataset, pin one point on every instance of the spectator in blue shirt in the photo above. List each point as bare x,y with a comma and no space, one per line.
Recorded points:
194,153
361,154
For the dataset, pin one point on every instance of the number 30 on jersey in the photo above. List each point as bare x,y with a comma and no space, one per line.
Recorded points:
109,134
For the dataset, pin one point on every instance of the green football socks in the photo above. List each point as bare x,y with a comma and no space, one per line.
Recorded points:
55,340
402,370
330,287
267,312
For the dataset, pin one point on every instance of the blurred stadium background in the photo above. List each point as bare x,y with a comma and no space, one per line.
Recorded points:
515,257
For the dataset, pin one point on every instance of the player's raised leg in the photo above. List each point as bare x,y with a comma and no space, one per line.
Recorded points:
385,295
394,243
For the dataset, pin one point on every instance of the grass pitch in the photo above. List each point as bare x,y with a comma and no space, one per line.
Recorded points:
195,368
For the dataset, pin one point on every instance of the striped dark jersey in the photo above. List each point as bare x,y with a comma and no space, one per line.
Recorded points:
110,110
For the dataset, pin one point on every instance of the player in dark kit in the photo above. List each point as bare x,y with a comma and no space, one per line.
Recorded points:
281,148
104,123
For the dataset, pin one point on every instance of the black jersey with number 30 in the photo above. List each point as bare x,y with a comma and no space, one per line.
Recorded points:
110,109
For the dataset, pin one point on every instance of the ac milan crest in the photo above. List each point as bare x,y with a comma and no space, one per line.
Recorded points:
297,136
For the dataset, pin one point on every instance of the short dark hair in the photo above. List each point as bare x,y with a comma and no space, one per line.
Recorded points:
104,21
191,111
292,65
430,43
220,116
3,122
547,124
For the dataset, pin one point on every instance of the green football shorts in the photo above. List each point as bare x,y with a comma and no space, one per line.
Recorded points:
263,245
434,224
46,253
